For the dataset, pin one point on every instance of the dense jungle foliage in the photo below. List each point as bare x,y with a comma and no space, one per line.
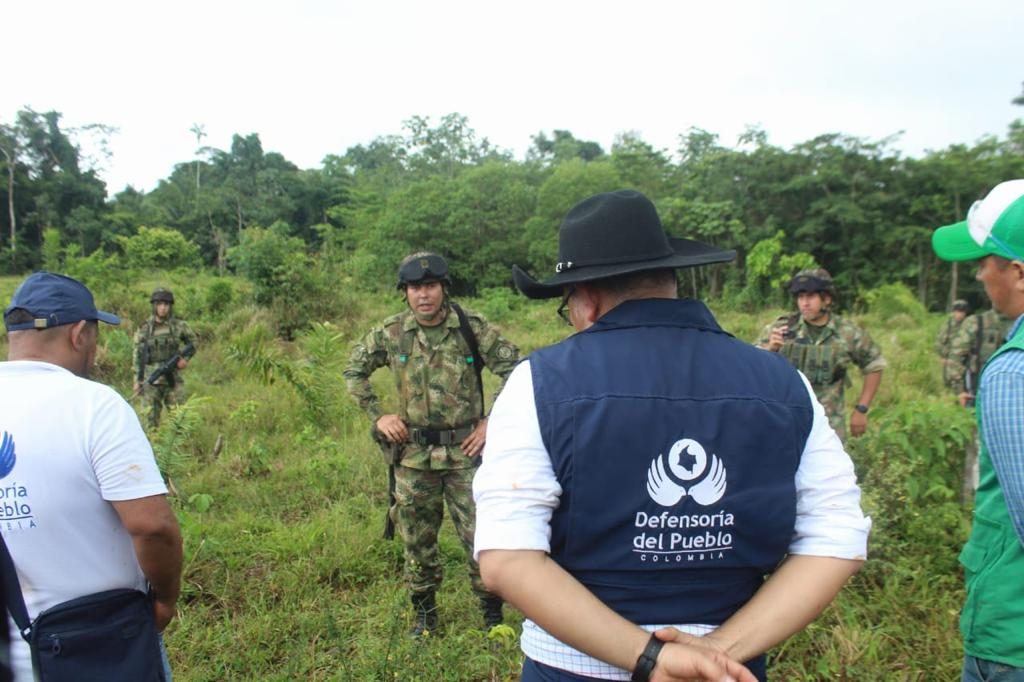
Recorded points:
281,495
854,206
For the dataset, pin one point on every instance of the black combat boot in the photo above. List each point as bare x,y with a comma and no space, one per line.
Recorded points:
425,613
491,606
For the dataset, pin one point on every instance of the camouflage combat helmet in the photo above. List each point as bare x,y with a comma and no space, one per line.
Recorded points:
961,304
422,267
812,280
161,295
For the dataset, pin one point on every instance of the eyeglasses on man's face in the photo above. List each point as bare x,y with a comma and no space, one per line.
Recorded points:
563,308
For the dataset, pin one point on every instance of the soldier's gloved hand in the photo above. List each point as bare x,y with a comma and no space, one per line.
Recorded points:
473,444
393,428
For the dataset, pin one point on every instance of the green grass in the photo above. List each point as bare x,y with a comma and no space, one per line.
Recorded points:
287,576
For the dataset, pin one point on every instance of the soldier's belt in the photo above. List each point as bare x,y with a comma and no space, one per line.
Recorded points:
454,436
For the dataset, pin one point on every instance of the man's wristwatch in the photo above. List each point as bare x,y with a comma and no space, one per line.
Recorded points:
648,659
861,407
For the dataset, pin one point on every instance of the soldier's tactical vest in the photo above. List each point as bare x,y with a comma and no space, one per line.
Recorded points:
819,362
676,448
405,341
162,341
992,619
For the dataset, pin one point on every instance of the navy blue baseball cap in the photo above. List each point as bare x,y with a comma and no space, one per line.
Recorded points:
54,300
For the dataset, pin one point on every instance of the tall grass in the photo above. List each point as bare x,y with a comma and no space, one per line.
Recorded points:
281,495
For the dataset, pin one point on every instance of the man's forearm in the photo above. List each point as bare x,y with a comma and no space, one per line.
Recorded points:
792,597
556,601
871,383
160,558
156,538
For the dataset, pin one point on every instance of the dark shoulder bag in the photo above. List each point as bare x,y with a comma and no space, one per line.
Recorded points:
100,637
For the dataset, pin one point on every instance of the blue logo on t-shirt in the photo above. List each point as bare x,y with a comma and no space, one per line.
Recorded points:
7,457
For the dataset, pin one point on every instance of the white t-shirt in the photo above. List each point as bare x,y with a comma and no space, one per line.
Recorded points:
68,447
516,493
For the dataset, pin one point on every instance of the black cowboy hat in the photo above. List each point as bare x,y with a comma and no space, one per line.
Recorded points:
615,233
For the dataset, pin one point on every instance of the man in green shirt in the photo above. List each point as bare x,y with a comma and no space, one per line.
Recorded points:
992,619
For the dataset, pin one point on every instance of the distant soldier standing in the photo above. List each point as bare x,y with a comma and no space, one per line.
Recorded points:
440,420
947,332
822,345
158,340
978,337
976,340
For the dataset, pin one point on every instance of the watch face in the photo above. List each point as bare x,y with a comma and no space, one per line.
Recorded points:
863,409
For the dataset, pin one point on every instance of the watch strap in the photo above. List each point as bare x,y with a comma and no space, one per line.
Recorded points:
648,659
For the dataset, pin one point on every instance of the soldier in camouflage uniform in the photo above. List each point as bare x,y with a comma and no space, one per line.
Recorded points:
978,337
158,340
947,332
822,345
439,421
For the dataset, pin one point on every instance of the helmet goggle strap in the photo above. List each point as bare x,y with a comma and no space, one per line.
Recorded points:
427,267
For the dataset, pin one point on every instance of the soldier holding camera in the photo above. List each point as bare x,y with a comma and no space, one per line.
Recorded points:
822,345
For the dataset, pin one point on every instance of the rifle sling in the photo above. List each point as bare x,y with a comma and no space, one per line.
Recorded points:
474,349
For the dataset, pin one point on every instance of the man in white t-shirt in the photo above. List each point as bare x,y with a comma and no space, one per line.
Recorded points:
648,472
83,506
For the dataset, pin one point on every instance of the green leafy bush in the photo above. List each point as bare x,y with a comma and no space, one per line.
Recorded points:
890,300
219,296
159,247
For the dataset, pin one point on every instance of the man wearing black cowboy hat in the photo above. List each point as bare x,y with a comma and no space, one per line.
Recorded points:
646,473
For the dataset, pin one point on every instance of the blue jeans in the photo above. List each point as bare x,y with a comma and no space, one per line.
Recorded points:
980,670
164,659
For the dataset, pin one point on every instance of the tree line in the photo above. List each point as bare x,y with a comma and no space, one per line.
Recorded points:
854,206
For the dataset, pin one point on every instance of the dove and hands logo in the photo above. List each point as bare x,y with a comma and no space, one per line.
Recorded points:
687,461
7,457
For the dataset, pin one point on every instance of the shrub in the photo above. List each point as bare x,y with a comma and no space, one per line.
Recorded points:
890,300
159,247
219,296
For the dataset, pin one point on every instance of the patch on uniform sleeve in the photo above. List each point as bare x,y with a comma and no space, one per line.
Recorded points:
505,352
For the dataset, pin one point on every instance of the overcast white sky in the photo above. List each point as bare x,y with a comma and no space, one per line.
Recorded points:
313,77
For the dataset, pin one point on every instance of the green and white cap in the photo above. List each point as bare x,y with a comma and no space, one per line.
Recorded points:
994,227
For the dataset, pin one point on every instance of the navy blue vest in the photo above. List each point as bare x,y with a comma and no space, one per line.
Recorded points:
676,447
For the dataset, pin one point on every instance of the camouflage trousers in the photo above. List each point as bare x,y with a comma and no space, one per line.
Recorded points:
155,398
420,495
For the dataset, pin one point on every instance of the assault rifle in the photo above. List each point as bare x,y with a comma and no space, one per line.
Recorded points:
166,368
392,456
969,387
